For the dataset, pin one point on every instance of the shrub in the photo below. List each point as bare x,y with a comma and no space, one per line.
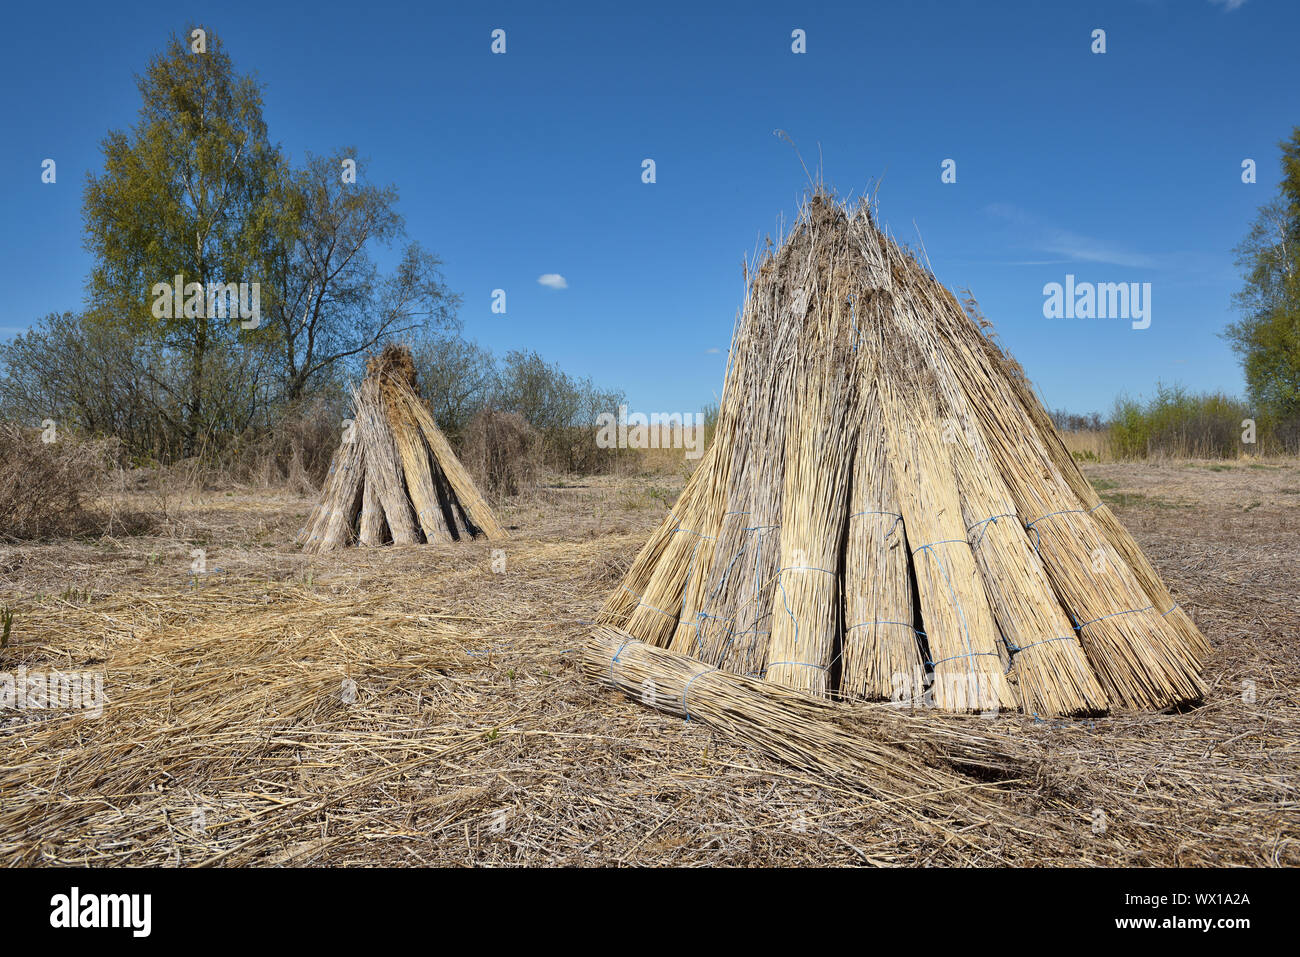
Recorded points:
502,451
47,489
1176,422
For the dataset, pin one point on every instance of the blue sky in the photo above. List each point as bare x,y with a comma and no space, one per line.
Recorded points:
1119,167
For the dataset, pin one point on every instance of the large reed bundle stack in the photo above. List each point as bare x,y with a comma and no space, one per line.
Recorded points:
395,478
887,512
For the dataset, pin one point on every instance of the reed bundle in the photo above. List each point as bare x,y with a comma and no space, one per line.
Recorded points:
1115,533
747,604
710,518
882,657
659,605
626,600
886,507
1049,668
960,630
821,434
877,747
384,473
1137,655
331,521
395,478
457,491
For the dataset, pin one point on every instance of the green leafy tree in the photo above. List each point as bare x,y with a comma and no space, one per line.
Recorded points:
189,190
332,302
1268,335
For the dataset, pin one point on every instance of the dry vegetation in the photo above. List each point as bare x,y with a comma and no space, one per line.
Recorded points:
475,739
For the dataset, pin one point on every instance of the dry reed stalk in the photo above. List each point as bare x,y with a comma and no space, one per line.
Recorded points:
688,637
771,333
1138,657
876,747
1172,612
733,558
655,618
745,377
881,658
338,519
418,470
1115,532
372,525
958,622
623,603
474,510
1051,672
383,462
821,434
309,536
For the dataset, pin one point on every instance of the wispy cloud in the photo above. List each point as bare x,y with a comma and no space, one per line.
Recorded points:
712,352
1229,4
553,280
1074,247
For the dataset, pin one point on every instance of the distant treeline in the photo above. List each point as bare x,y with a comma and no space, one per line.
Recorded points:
99,383
1180,424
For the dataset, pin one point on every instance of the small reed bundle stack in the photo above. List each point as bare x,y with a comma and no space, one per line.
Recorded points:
394,478
887,512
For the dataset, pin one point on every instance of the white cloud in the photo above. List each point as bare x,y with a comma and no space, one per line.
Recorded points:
712,352
1229,4
553,280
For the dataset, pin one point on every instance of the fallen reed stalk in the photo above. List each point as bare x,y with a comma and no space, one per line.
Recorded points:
883,749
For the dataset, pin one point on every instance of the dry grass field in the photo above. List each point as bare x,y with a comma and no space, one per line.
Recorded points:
232,736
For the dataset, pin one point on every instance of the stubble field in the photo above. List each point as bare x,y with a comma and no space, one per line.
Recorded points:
422,705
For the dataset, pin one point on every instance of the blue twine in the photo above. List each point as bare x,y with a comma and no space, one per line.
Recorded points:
898,519
807,664
615,658
687,687
985,523
953,593
1131,611
905,624
942,541
1029,526
786,602
666,614
969,654
1015,649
